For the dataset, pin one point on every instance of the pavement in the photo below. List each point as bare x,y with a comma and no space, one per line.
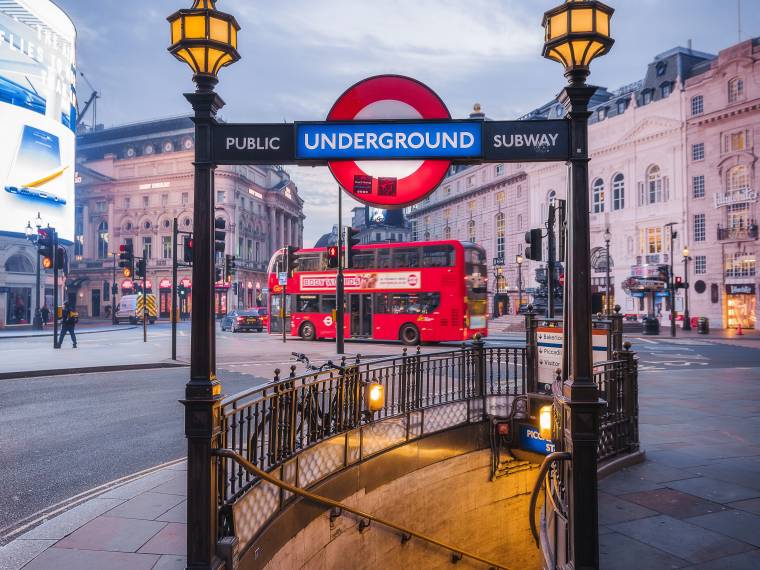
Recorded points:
694,502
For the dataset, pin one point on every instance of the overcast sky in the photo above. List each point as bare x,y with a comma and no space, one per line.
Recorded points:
298,56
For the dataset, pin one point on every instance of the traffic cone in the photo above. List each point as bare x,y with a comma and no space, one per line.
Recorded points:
739,331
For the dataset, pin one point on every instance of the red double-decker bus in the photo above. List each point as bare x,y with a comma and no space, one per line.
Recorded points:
414,292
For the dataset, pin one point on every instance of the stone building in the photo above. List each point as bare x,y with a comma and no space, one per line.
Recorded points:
133,180
723,125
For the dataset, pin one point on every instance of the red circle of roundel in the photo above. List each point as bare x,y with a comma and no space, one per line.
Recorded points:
423,180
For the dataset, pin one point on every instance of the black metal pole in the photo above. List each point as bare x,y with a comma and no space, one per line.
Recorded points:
551,251
113,291
55,287
283,315
519,287
173,312
686,315
37,321
339,284
203,391
145,294
579,402
671,284
607,296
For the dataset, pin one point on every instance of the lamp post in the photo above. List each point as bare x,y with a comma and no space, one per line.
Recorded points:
686,315
206,40
576,32
33,236
607,296
671,280
519,259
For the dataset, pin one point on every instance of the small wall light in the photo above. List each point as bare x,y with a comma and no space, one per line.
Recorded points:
545,422
374,396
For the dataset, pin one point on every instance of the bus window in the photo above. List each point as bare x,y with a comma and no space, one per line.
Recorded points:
383,258
328,303
307,304
406,258
437,256
407,303
363,260
310,262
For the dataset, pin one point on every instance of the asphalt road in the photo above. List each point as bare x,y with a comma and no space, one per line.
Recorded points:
63,435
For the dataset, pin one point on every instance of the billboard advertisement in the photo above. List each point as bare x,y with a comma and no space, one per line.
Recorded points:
37,115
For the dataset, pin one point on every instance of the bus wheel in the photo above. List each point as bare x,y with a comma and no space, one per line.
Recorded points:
409,335
308,332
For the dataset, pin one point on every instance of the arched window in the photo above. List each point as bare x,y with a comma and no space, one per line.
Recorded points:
18,263
501,230
447,232
103,240
597,198
654,185
427,236
735,89
737,178
471,231
618,191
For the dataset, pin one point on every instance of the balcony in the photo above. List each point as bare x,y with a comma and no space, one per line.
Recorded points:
740,233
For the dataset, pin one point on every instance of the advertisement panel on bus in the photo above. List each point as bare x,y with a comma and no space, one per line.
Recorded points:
38,116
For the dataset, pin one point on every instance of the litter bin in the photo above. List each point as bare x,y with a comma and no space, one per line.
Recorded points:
651,326
703,325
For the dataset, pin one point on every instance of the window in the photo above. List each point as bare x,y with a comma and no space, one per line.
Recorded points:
737,178
660,68
700,264
101,206
383,258
328,303
307,304
598,196
698,186
437,256
19,263
740,264
665,89
501,231
698,151
185,198
407,303
697,105
651,241
447,232
364,260
103,240
164,199
147,243
126,203
519,221
470,181
471,233
618,191
735,90
622,106
655,190
471,206
499,169
499,197
601,114
406,257
735,142
146,201
737,216
699,227
446,190
646,97
220,196
166,247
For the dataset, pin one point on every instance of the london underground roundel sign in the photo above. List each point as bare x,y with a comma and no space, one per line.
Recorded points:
390,183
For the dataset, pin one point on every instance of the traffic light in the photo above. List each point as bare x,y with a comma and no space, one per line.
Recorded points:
351,241
218,274
332,256
140,269
229,266
188,255
62,259
533,239
219,233
127,259
45,243
291,260
680,283
181,291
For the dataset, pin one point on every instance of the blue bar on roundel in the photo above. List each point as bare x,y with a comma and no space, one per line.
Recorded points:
390,140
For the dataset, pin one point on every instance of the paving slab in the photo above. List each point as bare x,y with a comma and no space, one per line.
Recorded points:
147,506
66,523
657,472
17,553
113,534
681,539
750,505
177,485
172,539
715,490
66,559
175,514
615,510
171,562
141,485
736,524
745,561
674,503
619,552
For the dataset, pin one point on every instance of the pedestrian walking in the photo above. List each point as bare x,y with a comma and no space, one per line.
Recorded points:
69,319
45,314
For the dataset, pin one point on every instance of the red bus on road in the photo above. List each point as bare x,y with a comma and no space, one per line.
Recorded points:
414,292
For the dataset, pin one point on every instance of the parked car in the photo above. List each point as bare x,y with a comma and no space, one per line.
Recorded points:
243,320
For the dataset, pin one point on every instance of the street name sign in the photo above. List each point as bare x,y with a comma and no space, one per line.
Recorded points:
270,143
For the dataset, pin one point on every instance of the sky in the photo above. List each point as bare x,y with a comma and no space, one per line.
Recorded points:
298,56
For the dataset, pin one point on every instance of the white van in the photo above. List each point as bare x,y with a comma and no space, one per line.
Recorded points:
131,309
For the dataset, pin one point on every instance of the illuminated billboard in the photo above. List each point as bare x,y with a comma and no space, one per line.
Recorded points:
37,116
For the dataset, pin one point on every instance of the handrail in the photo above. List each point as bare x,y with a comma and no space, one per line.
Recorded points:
457,553
548,460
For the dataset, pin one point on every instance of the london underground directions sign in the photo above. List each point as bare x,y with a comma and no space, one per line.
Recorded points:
390,140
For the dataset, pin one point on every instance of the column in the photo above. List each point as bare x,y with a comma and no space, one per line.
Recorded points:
272,230
281,229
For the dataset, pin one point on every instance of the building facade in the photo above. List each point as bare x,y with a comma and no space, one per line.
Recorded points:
133,181
723,124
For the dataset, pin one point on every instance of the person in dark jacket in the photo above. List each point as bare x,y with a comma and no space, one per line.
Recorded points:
45,314
69,320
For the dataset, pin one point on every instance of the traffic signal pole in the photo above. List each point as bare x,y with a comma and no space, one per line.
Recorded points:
339,293
174,289
145,294
551,254
55,288
671,282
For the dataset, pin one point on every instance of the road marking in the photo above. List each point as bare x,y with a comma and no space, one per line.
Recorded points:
645,340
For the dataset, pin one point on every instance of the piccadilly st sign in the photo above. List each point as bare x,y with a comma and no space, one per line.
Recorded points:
389,141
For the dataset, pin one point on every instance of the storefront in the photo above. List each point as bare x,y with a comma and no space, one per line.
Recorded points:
18,305
164,298
184,296
220,307
741,306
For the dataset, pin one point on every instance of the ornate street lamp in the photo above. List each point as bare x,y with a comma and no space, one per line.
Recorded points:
578,31
607,290
206,40
686,315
